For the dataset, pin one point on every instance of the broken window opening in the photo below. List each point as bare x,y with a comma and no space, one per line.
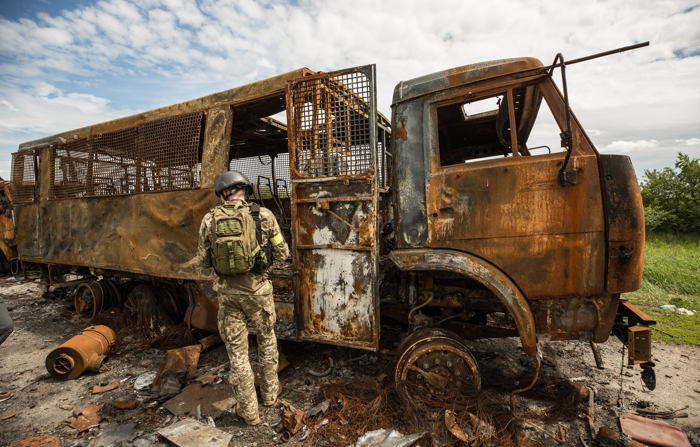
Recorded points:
480,129
23,176
258,150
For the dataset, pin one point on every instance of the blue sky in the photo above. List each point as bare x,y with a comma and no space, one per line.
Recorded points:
64,65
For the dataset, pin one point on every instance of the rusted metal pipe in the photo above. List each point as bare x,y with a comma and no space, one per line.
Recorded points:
596,355
84,352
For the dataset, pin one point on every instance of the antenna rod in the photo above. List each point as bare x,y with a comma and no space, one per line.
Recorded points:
604,53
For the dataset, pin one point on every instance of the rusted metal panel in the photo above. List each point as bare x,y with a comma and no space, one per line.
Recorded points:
624,216
576,317
467,74
514,213
154,234
333,158
491,277
638,345
7,230
510,211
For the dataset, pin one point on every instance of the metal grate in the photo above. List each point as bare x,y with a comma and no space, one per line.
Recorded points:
332,125
162,155
259,171
169,151
23,177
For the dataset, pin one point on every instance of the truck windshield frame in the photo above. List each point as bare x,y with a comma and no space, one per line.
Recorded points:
462,138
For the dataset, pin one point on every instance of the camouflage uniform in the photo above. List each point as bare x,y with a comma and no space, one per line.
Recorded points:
247,298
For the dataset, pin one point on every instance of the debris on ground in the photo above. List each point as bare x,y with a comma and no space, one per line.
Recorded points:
652,431
125,404
292,419
84,352
198,400
86,418
114,434
97,389
387,438
352,395
38,441
144,381
186,358
609,437
191,433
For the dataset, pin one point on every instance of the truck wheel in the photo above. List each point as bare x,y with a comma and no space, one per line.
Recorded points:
88,299
435,365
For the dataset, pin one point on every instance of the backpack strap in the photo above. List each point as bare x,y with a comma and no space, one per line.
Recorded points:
255,212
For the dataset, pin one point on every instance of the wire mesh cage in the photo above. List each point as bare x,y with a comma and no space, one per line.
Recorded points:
332,125
23,177
269,175
161,155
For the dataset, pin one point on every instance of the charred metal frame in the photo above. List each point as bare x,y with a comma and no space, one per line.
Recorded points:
554,258
333,155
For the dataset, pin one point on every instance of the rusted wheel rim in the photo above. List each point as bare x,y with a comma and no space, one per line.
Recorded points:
435,365
88,299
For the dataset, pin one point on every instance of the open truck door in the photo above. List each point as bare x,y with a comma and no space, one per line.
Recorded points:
332,134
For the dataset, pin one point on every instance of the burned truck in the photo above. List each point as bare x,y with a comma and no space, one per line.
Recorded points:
481,210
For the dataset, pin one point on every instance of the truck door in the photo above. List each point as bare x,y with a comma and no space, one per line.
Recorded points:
332,134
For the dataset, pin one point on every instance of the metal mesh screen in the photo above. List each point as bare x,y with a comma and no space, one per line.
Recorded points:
161,155
23,177
259,171
332,126
282,174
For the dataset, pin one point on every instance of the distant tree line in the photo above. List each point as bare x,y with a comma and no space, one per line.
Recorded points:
671,197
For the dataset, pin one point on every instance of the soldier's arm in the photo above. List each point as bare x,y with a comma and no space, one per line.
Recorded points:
271,230
203,244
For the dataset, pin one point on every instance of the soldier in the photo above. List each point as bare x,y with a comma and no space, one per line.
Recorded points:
244,298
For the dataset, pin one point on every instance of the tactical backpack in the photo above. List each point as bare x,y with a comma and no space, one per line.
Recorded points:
235,239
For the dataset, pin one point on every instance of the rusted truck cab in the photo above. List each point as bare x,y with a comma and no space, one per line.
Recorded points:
494,218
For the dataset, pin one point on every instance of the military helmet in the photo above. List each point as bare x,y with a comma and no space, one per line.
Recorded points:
232,180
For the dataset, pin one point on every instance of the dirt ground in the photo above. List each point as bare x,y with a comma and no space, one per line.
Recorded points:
358,389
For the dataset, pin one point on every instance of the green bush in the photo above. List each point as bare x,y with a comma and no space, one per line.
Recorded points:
671,197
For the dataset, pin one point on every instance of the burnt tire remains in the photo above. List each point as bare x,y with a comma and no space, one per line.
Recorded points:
434,365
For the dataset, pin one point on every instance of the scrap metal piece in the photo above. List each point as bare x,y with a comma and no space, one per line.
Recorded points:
38,441
596,355
83,352
102,389
638,344
125,404
190,433
87,418
211,399
186,357
292,420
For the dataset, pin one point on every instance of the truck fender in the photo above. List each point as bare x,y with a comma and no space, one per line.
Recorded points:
482,271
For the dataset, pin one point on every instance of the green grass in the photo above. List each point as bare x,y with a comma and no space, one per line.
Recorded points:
671,276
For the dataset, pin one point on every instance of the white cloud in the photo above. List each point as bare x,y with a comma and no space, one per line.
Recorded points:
55,70
626,147
689,142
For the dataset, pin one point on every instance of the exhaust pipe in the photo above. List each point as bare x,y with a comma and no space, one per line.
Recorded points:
84,352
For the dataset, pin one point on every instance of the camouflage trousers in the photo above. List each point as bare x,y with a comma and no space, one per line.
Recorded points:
235,311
